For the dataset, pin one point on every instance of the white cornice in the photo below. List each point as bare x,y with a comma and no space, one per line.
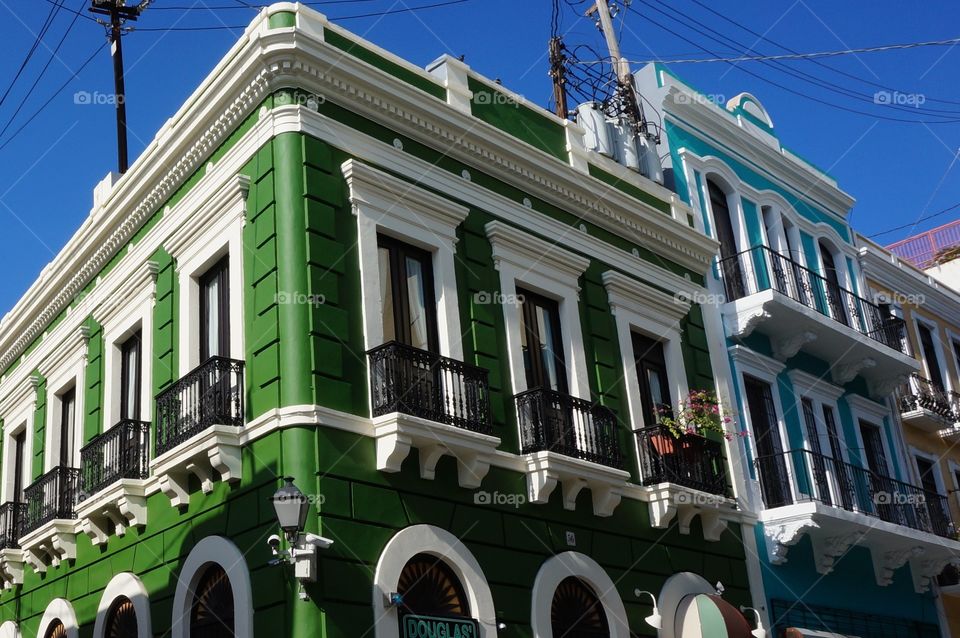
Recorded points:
807,383
523,250
868,407
755,362
646,301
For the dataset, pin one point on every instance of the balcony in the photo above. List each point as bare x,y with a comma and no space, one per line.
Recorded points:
799,309
113,469
438,405
839,504
199,421
11,558
927,406
686,476
49,526
572,441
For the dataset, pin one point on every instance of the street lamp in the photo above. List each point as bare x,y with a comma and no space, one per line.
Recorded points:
292,508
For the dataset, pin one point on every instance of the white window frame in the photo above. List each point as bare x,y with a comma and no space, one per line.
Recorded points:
19,421
131,587
222,551
71,375
934,329
640,308
59,609
916,453
561,566
822,394
386,204
435,541
876,414
554,272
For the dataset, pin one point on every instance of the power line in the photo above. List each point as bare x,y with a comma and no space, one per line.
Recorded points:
917,221
54,9
50,99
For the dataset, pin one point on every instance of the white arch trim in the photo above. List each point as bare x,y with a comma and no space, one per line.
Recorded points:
62,610
585,568
127,585
219,550
9,629
427,539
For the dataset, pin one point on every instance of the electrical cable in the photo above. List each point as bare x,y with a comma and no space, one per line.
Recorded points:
36,42
917,221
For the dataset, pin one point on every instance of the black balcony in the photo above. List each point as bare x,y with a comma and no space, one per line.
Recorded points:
853,488
52,496
424,384
759,268
119,453
555,422
211,394
11,520
923,394
689,460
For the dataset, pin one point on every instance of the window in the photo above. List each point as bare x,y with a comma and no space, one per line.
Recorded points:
770,461
876,459
19,453
130,378
652,377
122,620
818,464
730,267
67,426
211,615
56,630
407,295
428,587
835,294
541,343
929,349
214,311
576,612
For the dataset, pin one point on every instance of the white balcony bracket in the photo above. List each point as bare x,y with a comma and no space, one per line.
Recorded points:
113,509
50,544
827,549
546,469
212,456
885,563
847,372
786,348
668,501
924,570
780,537
11,567
397,433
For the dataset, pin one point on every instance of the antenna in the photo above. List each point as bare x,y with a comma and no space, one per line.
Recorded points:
119,13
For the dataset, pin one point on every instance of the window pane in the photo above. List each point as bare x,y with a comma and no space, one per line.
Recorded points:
655,383
212,294
386,295
547,332
416,294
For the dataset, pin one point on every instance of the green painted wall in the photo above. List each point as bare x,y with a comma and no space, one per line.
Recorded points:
93,383
39,424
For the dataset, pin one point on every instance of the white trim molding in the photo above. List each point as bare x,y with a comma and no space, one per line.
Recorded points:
438,542
212,455
9,629
561,566
131,587
59,609
384,203
221,551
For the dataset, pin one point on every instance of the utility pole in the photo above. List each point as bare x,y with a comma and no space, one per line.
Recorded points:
558,74
119,13
626,90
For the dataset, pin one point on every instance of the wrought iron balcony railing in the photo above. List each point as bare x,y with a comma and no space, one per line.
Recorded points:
689,460
551,421
802,475
52,496
759,268
424,384
211,394
919,393
11,520
119,453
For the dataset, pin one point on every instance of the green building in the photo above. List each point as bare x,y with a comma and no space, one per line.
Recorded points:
422,299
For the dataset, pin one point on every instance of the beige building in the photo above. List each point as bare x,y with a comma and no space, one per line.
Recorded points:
929,400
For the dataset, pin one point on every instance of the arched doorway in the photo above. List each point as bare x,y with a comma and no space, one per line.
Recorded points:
576,612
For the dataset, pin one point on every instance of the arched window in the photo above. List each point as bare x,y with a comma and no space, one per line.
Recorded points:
56,630
429,587
835,293
211,615
122,619
576,611
730,267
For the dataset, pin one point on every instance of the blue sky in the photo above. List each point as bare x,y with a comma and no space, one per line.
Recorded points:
897,171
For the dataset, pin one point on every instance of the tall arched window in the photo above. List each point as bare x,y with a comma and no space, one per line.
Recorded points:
211,615
122,619
576,611
730,267
428,587
835,294
56,630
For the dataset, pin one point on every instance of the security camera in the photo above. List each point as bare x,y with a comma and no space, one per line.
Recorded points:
274,543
